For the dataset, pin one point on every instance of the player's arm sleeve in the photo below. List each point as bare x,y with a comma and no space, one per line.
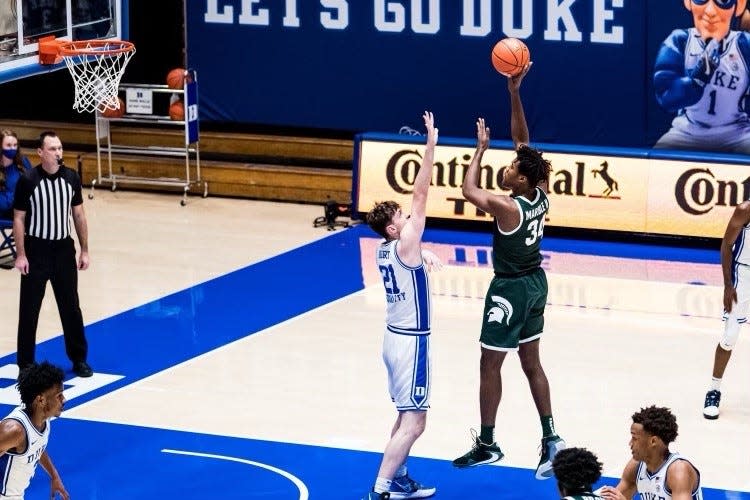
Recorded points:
674,88
75,182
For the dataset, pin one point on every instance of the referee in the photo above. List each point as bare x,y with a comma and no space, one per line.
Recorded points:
45,198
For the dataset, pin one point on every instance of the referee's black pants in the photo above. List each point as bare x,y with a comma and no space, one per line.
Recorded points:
53,261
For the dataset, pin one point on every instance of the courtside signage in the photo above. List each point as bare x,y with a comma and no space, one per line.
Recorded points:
591,191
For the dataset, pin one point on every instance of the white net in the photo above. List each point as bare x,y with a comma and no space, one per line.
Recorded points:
97,67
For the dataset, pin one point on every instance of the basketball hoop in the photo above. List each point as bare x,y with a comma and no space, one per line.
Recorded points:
96,67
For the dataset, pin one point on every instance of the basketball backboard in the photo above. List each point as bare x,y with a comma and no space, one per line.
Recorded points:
23,22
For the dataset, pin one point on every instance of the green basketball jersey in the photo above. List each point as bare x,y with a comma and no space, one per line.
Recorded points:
517,252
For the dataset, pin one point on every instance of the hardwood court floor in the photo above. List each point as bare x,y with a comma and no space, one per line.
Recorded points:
621,333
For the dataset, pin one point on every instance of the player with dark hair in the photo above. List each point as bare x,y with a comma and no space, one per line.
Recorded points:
654,471
576,471
513,317
403,265
702,74
24,433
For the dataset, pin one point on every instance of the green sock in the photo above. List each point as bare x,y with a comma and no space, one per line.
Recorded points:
487,434
548,426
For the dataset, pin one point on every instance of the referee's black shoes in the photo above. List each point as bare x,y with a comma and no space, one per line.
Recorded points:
82,369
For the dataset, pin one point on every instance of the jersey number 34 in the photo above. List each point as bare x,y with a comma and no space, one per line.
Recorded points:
536,230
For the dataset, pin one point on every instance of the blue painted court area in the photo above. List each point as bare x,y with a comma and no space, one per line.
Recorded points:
109,461
118,462
155,336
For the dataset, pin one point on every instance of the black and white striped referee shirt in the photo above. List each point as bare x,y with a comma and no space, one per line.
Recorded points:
48,201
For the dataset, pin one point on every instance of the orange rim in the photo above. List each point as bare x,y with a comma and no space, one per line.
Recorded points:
95,47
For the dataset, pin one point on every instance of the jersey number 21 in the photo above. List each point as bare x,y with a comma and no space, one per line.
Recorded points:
389,279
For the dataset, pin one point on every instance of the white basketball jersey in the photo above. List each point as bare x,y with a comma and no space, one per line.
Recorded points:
741,247
654,486
18,468
407,292
720,103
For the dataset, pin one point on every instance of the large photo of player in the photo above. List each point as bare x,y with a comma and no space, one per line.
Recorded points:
702,74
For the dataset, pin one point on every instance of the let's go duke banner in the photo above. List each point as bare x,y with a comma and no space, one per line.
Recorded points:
376,65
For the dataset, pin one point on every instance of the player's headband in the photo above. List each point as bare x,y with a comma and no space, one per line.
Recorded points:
722,4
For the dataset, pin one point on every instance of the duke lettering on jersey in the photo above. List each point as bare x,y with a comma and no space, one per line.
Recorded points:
17,469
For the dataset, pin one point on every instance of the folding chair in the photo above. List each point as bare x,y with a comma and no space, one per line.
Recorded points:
7,245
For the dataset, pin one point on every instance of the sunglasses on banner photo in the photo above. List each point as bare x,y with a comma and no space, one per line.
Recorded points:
722,4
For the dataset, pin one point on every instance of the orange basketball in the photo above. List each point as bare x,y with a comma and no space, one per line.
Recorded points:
176,78
177,111
509,56
115,113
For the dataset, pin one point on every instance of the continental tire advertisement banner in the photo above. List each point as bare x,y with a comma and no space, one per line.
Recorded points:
592,190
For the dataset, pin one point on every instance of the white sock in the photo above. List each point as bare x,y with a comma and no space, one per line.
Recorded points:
382,485
715,384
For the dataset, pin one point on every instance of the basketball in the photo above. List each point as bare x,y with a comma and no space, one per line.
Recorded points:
115,113
176,79
177,111
509,56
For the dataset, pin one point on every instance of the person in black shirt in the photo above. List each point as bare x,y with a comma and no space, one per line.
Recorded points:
45,199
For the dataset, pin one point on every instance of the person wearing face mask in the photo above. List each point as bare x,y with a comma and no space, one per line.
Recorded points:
702,74
12,167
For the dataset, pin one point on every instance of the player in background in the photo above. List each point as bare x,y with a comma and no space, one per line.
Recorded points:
735,266
576,471
24,433
654,472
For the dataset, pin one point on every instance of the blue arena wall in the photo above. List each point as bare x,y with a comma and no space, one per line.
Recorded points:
375,65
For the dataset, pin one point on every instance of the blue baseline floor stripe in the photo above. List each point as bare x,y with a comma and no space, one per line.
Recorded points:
153,337
121,462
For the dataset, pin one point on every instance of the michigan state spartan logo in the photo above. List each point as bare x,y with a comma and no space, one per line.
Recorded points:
502,310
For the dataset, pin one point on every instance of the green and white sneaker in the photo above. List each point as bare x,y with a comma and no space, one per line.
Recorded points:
550,446
480,454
